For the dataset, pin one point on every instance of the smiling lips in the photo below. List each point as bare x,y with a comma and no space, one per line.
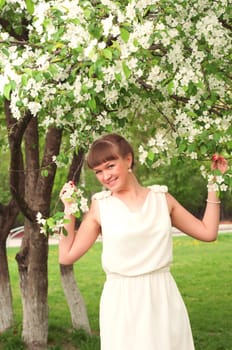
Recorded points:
111,182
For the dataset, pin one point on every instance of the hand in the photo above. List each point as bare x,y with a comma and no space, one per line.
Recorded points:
219,162
66,192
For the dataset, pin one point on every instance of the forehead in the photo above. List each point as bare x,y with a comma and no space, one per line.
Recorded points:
104,165
102,152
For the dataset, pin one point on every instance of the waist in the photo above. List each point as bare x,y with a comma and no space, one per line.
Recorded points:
113,275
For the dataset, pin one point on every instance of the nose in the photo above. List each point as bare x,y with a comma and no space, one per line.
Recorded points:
106,175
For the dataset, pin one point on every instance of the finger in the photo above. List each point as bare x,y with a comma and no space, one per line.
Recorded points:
213,166
220,163
215,157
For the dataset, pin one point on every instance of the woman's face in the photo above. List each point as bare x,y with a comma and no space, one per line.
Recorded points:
114,174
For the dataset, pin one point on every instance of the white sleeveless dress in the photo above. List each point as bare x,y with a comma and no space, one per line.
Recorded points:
141,307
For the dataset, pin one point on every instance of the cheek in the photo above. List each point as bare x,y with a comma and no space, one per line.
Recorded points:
98,177
123,169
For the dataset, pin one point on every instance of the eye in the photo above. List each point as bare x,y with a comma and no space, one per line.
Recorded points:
97,172
110,166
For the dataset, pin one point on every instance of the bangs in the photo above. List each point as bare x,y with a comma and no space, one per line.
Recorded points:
101,152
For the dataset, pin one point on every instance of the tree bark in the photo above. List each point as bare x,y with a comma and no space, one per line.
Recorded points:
32,264
74,299
72,293
6,307
8,215
32,258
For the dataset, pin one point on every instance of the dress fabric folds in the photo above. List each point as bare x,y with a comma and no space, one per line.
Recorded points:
141,307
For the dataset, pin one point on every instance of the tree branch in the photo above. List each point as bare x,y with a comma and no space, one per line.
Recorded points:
144,84
76,166
16,130
8,28
225,24
45,181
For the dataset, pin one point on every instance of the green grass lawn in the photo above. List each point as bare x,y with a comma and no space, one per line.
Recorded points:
202,272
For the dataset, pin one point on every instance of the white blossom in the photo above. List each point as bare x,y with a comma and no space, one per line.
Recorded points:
39,219
142,154
193,155
34,107
107,24
84,205
171,67
223,187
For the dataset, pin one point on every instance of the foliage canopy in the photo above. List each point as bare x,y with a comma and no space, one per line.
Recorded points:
98,66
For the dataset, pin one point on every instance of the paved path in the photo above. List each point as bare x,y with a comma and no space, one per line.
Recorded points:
16,242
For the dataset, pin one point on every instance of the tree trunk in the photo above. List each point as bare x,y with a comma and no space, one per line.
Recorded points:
72,293
6,308
74,299
32,264
8,214
32,259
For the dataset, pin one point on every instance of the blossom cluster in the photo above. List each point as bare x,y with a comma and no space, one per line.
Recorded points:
216,181
93,67
77,207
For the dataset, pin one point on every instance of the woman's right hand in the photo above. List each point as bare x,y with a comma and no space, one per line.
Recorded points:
66,193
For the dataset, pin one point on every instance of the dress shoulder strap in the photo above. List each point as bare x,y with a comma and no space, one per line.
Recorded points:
101,195
159,188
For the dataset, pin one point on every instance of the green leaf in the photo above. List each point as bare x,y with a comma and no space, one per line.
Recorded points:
209,102
7,91
170,87
118,77
53,69
50,222
230,182
107,54
192,89
91,70
151,156
124,34
126,70
38,76
92,104
203,149
65,233
182,146
30,6
24,80
2,3
59,215
5,51
216,136
44,172
77,215
191,147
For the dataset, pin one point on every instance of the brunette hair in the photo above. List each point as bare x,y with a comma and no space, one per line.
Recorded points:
108,147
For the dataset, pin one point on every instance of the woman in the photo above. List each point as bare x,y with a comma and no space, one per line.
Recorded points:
141,307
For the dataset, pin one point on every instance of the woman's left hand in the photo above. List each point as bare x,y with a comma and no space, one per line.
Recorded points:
219,162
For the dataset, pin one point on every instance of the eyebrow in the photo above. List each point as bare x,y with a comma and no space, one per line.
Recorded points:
105,164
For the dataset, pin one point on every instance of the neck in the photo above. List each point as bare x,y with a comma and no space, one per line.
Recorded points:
132,187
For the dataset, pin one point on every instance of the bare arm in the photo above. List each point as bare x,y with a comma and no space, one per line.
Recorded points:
76,243
205,229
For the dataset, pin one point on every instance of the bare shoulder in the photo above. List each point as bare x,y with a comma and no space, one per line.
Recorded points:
171,201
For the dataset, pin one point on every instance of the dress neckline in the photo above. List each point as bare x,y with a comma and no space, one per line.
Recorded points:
139,210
